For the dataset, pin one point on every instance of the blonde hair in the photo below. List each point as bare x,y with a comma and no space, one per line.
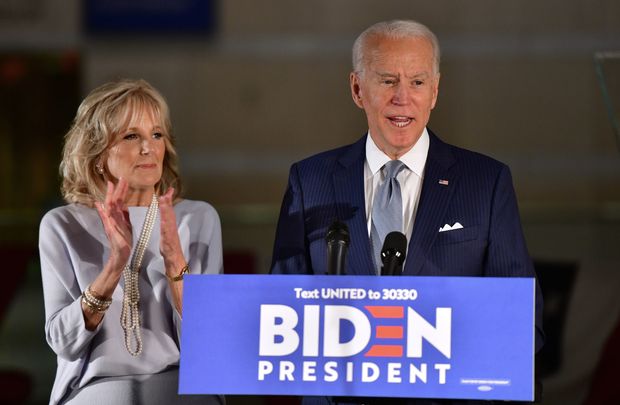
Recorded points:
395,29
103,114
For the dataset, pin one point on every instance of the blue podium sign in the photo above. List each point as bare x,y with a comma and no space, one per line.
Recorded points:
415,337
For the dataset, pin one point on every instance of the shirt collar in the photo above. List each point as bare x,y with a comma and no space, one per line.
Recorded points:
415,158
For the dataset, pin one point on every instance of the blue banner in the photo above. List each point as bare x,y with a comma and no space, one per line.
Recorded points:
415,337
162,17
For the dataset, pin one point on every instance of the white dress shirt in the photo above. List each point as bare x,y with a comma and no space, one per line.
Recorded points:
410,178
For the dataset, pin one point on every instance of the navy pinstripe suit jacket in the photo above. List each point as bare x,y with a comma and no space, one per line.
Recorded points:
479,195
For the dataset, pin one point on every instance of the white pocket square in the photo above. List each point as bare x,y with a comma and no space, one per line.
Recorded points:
447,227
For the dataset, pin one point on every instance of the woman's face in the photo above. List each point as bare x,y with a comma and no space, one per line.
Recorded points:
137,153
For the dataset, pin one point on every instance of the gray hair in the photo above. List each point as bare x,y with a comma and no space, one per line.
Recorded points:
395,29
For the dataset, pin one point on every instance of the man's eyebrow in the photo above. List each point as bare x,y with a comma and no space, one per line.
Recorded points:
423,75
386,74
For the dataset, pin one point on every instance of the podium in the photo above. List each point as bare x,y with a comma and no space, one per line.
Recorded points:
358,336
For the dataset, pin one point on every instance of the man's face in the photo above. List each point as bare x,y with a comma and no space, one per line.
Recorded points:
397,90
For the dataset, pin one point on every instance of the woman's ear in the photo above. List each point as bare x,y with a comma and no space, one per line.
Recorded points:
100,165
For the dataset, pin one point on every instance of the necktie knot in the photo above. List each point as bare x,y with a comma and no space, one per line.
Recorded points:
392,168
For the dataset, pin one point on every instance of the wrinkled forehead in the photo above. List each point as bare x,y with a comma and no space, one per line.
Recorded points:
415,52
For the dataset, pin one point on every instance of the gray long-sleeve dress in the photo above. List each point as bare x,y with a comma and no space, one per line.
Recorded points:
73,249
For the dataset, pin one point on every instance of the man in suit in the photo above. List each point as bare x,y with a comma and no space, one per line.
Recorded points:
459,210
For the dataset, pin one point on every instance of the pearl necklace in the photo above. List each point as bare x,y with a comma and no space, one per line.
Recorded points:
130,314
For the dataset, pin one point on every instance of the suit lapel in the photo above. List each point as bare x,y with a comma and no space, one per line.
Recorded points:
437,190
351,206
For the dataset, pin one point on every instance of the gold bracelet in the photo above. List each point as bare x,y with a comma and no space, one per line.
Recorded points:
183,272
97,299
95,303
91,308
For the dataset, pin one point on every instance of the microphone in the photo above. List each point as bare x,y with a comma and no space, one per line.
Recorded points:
393,254
337,245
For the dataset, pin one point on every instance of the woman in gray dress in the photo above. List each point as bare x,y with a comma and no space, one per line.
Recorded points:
113,259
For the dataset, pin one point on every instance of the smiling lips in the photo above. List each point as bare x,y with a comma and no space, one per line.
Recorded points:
400,121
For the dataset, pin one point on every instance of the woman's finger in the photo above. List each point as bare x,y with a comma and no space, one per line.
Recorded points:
108,194
165,207
117,195
102,214
170,244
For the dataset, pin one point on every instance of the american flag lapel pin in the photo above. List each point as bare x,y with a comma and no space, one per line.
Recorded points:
443,182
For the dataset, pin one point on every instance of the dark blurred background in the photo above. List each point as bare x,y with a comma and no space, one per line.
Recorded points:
255,85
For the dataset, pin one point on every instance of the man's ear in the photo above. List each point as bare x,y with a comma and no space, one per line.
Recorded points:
356,90
435,90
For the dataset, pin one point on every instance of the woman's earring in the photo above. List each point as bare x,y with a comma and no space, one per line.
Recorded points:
99,168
